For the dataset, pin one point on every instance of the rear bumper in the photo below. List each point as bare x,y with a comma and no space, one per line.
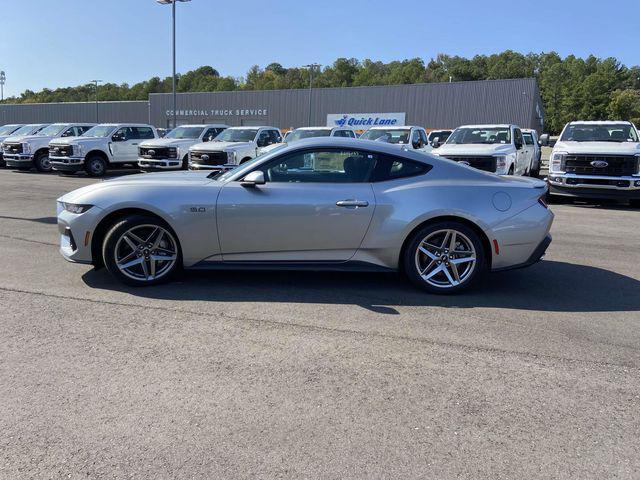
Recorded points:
535,257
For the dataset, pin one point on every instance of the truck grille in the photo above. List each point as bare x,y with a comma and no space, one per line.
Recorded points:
616,165
12,148
157,152
208,158
60,151
486,163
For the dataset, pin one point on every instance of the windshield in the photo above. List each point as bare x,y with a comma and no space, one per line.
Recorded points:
462,136
300,134
622,132
8,129
52,130
236,135
185,132
222,176
99,131
389,136
26,130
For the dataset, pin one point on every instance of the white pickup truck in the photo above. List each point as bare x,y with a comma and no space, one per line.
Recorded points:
109,145
232,147
33,150
312,132
407,137
7,131
13,139
493,148
171,152
596,160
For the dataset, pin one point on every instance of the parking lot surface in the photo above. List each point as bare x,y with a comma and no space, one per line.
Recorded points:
533,374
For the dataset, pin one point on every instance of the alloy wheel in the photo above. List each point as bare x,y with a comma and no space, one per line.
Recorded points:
146,252
445,258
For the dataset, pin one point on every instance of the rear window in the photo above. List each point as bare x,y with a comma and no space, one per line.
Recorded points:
392,168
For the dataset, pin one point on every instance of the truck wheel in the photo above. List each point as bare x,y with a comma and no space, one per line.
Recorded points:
42,162
95,166
185,162
245,160
511,170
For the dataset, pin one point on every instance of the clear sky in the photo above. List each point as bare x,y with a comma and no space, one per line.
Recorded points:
53,43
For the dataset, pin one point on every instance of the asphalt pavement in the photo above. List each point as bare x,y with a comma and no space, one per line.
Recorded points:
533,374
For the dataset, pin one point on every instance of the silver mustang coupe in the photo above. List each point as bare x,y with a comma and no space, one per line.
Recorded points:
323,203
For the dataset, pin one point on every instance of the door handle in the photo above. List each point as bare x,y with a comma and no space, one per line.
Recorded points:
135,144
352,203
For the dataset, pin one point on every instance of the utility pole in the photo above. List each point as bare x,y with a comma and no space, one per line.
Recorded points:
3,78
311,67
173,18
95,82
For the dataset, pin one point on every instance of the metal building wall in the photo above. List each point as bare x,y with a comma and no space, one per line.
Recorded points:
432,105
137,112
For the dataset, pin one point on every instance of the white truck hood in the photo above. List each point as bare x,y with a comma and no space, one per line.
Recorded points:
607,148
76,140
168,142
221,146
475,149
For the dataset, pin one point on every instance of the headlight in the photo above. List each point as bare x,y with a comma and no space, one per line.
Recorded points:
501,162
172,152
77,149
555,165
26,148
76,208
231,158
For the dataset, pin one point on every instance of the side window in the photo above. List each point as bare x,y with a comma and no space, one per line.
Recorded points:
263,139
211,134
124,133
143,133
528,139
517,137
70,132
274,136
82,129
321,166
392,168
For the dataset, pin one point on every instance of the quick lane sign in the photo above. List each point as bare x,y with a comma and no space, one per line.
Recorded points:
364,121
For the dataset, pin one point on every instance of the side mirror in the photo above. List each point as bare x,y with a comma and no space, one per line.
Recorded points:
435,143
544,140
117,137
254,178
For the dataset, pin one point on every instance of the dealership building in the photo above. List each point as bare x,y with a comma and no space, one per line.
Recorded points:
430,105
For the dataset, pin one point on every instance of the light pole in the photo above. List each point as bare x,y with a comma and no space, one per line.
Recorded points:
173,16
311,66
3,78
95,82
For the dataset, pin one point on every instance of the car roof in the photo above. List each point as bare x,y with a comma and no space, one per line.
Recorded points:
124,125
393,127
490,125
599,122
252,127
204,125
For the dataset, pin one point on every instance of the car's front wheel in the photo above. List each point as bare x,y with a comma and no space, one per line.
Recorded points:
141,250
42,162
95,166
444,257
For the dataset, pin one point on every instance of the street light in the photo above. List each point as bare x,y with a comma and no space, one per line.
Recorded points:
95,82
3,78
311,66
173,16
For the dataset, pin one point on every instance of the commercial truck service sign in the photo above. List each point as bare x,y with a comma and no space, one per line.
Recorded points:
364,121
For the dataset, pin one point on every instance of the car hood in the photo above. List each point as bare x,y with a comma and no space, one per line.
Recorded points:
14,139
167,142
159,181
221,146
76,140
35,139
610,148
475,149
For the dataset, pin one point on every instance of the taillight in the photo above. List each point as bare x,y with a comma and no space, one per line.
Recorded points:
543,202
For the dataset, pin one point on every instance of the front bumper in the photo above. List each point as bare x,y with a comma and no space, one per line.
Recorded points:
67,164
217,168
163,164
76,234
594,186
21,160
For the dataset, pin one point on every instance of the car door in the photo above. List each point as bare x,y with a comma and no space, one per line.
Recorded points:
316,205
124,145
521,152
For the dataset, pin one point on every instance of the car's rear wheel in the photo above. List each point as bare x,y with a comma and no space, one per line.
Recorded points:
42,162
141,250
444,257
95,166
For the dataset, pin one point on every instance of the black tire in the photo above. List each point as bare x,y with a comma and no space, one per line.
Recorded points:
635,203
42,163
185,162
115,234
411,258
511,170
244,160
95,166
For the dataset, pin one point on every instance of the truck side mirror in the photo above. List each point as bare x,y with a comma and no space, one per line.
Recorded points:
544,140
117,137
